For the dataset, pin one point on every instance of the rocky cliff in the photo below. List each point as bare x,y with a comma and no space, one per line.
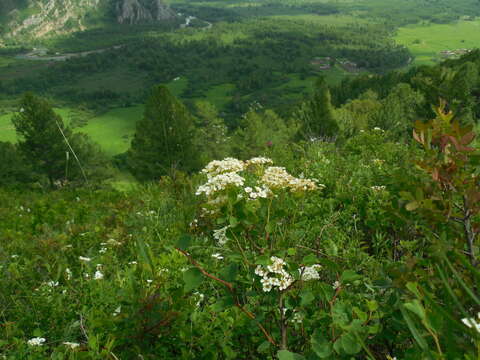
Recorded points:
137,11
39,18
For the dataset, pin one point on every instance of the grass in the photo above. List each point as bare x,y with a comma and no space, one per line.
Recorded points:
426,41
112,130
220,95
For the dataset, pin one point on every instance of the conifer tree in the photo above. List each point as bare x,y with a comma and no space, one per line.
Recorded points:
41,140
163,138
317,115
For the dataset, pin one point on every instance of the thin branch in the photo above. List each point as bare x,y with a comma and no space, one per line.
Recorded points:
230,288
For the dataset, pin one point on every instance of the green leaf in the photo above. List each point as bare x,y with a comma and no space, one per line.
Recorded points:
192,278
321,346
413,205
349,276
263,347
350,344
416,307
229,273
309,260
144,254
291,251
413,329
223,303
287,355
306,297
183,242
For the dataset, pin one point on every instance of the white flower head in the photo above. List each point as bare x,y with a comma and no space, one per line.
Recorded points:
85,259
71,345
217,256
36,341
98,275
472,323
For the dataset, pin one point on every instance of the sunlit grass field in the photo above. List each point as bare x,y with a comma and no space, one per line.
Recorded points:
112,130
427,41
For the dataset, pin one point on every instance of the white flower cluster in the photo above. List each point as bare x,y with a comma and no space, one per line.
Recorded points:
378,188
310,272
378,162
278,178
274,275
227,165
221,235
220,182
217,256
258,192
472,323
297,318
71,345
259,161
37,341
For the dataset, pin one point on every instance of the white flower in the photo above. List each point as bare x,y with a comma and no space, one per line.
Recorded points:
52,283
103,250
274,275
278,178
132,263
378,129
199,297
149,281
98,275
310,272
221,235
227,165
259,161
297,318
220,182
217,256
378,188
83,258
71,345
68,273
117,311
14,256
336,285
472,323
37,341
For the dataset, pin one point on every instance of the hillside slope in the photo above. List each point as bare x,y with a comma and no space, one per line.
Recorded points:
39,18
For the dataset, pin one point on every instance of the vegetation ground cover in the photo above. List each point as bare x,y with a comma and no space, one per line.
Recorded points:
427,41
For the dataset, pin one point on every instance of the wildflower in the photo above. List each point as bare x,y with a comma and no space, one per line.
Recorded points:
259,161
83,258
14,256
297,318
71,345
310,272
132,263
149,281
52,283
199,297
227,165
117,311
103,250
220,182
336,285
376,128
221,235
113,242
378,162
274,275
472,323
98,275
260,192
217,256
278,178
68,273
37,341
378,188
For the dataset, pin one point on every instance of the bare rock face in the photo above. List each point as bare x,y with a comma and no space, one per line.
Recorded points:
142,11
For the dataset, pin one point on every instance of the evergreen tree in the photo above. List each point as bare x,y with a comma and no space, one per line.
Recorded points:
51,149
317,115
41,140
163,139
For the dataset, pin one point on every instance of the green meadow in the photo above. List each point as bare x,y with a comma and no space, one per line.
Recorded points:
427,41
112,130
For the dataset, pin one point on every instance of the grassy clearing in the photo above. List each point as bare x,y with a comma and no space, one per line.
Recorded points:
220,95
177,86
426,41
113,130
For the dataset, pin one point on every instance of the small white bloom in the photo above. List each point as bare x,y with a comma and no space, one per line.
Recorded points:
37,341
68,273
132,263
52,283
117,311
149,281
217,256
83,258
14,256
472,323
336,285
71,345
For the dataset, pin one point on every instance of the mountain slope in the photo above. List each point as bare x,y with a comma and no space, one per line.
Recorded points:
39,18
